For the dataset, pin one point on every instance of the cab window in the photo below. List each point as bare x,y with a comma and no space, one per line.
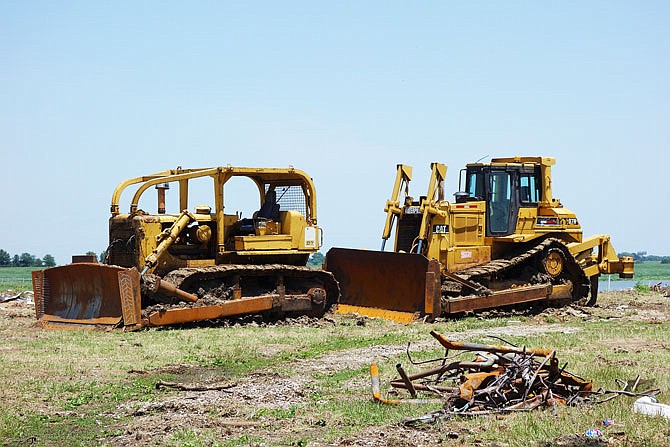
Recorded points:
475,185
529,191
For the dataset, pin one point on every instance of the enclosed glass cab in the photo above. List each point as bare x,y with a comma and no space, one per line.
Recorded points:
505,188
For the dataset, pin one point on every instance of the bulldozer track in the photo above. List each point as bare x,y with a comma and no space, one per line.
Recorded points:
300,277
496,269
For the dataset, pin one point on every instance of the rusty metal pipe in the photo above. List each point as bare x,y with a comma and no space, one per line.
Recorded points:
405,379
161,197
465,346
155,284
172,290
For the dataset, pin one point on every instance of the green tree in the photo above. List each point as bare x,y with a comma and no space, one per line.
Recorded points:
38,262
49,261
665,260
5,258
26,260
16,261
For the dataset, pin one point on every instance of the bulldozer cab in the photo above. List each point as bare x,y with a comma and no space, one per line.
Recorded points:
505,188
519,200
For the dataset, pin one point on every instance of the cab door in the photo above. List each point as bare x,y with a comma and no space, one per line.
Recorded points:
502,207
498,188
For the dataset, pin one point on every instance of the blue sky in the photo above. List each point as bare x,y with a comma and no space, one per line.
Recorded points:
92,93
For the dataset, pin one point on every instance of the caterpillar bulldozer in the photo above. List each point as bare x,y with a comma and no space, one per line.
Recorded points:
164,269
504,240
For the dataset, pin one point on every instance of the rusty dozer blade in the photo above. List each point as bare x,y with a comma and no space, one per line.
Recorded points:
86,294
395,286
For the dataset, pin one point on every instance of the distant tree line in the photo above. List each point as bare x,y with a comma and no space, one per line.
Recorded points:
25,260
642,256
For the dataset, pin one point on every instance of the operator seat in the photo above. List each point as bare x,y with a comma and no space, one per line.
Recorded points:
268,211
270,208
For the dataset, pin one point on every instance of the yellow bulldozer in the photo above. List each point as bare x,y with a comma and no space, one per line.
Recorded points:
196,265
504,240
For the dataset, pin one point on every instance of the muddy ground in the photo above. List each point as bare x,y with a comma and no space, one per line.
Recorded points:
245,410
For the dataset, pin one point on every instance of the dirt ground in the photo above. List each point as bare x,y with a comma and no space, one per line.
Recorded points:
246,409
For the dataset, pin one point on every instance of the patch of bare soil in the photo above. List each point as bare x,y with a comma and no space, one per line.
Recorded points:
396,435
236,410
17,309
260,390
631,306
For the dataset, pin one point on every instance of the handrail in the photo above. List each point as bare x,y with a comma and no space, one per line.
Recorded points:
224,173
116,195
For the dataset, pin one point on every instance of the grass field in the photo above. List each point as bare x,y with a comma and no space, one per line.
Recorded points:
16,278
307,384
652,270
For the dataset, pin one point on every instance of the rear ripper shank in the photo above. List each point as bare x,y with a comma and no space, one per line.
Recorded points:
504,240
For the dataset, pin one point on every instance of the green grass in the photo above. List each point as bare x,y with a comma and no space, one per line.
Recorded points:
651,270
16,279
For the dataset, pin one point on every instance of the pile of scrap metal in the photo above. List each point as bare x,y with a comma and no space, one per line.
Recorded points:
499,379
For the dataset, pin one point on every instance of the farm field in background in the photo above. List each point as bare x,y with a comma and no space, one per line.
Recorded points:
651,270
16,279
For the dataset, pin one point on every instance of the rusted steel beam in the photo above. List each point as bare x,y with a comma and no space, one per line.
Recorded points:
199,313
312,300
498,299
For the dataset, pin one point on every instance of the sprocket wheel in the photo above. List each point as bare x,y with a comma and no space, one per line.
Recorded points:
553,262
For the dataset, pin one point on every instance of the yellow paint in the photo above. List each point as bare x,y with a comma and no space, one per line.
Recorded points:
398,317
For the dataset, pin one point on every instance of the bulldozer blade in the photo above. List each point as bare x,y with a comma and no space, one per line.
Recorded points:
396,286
87,294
